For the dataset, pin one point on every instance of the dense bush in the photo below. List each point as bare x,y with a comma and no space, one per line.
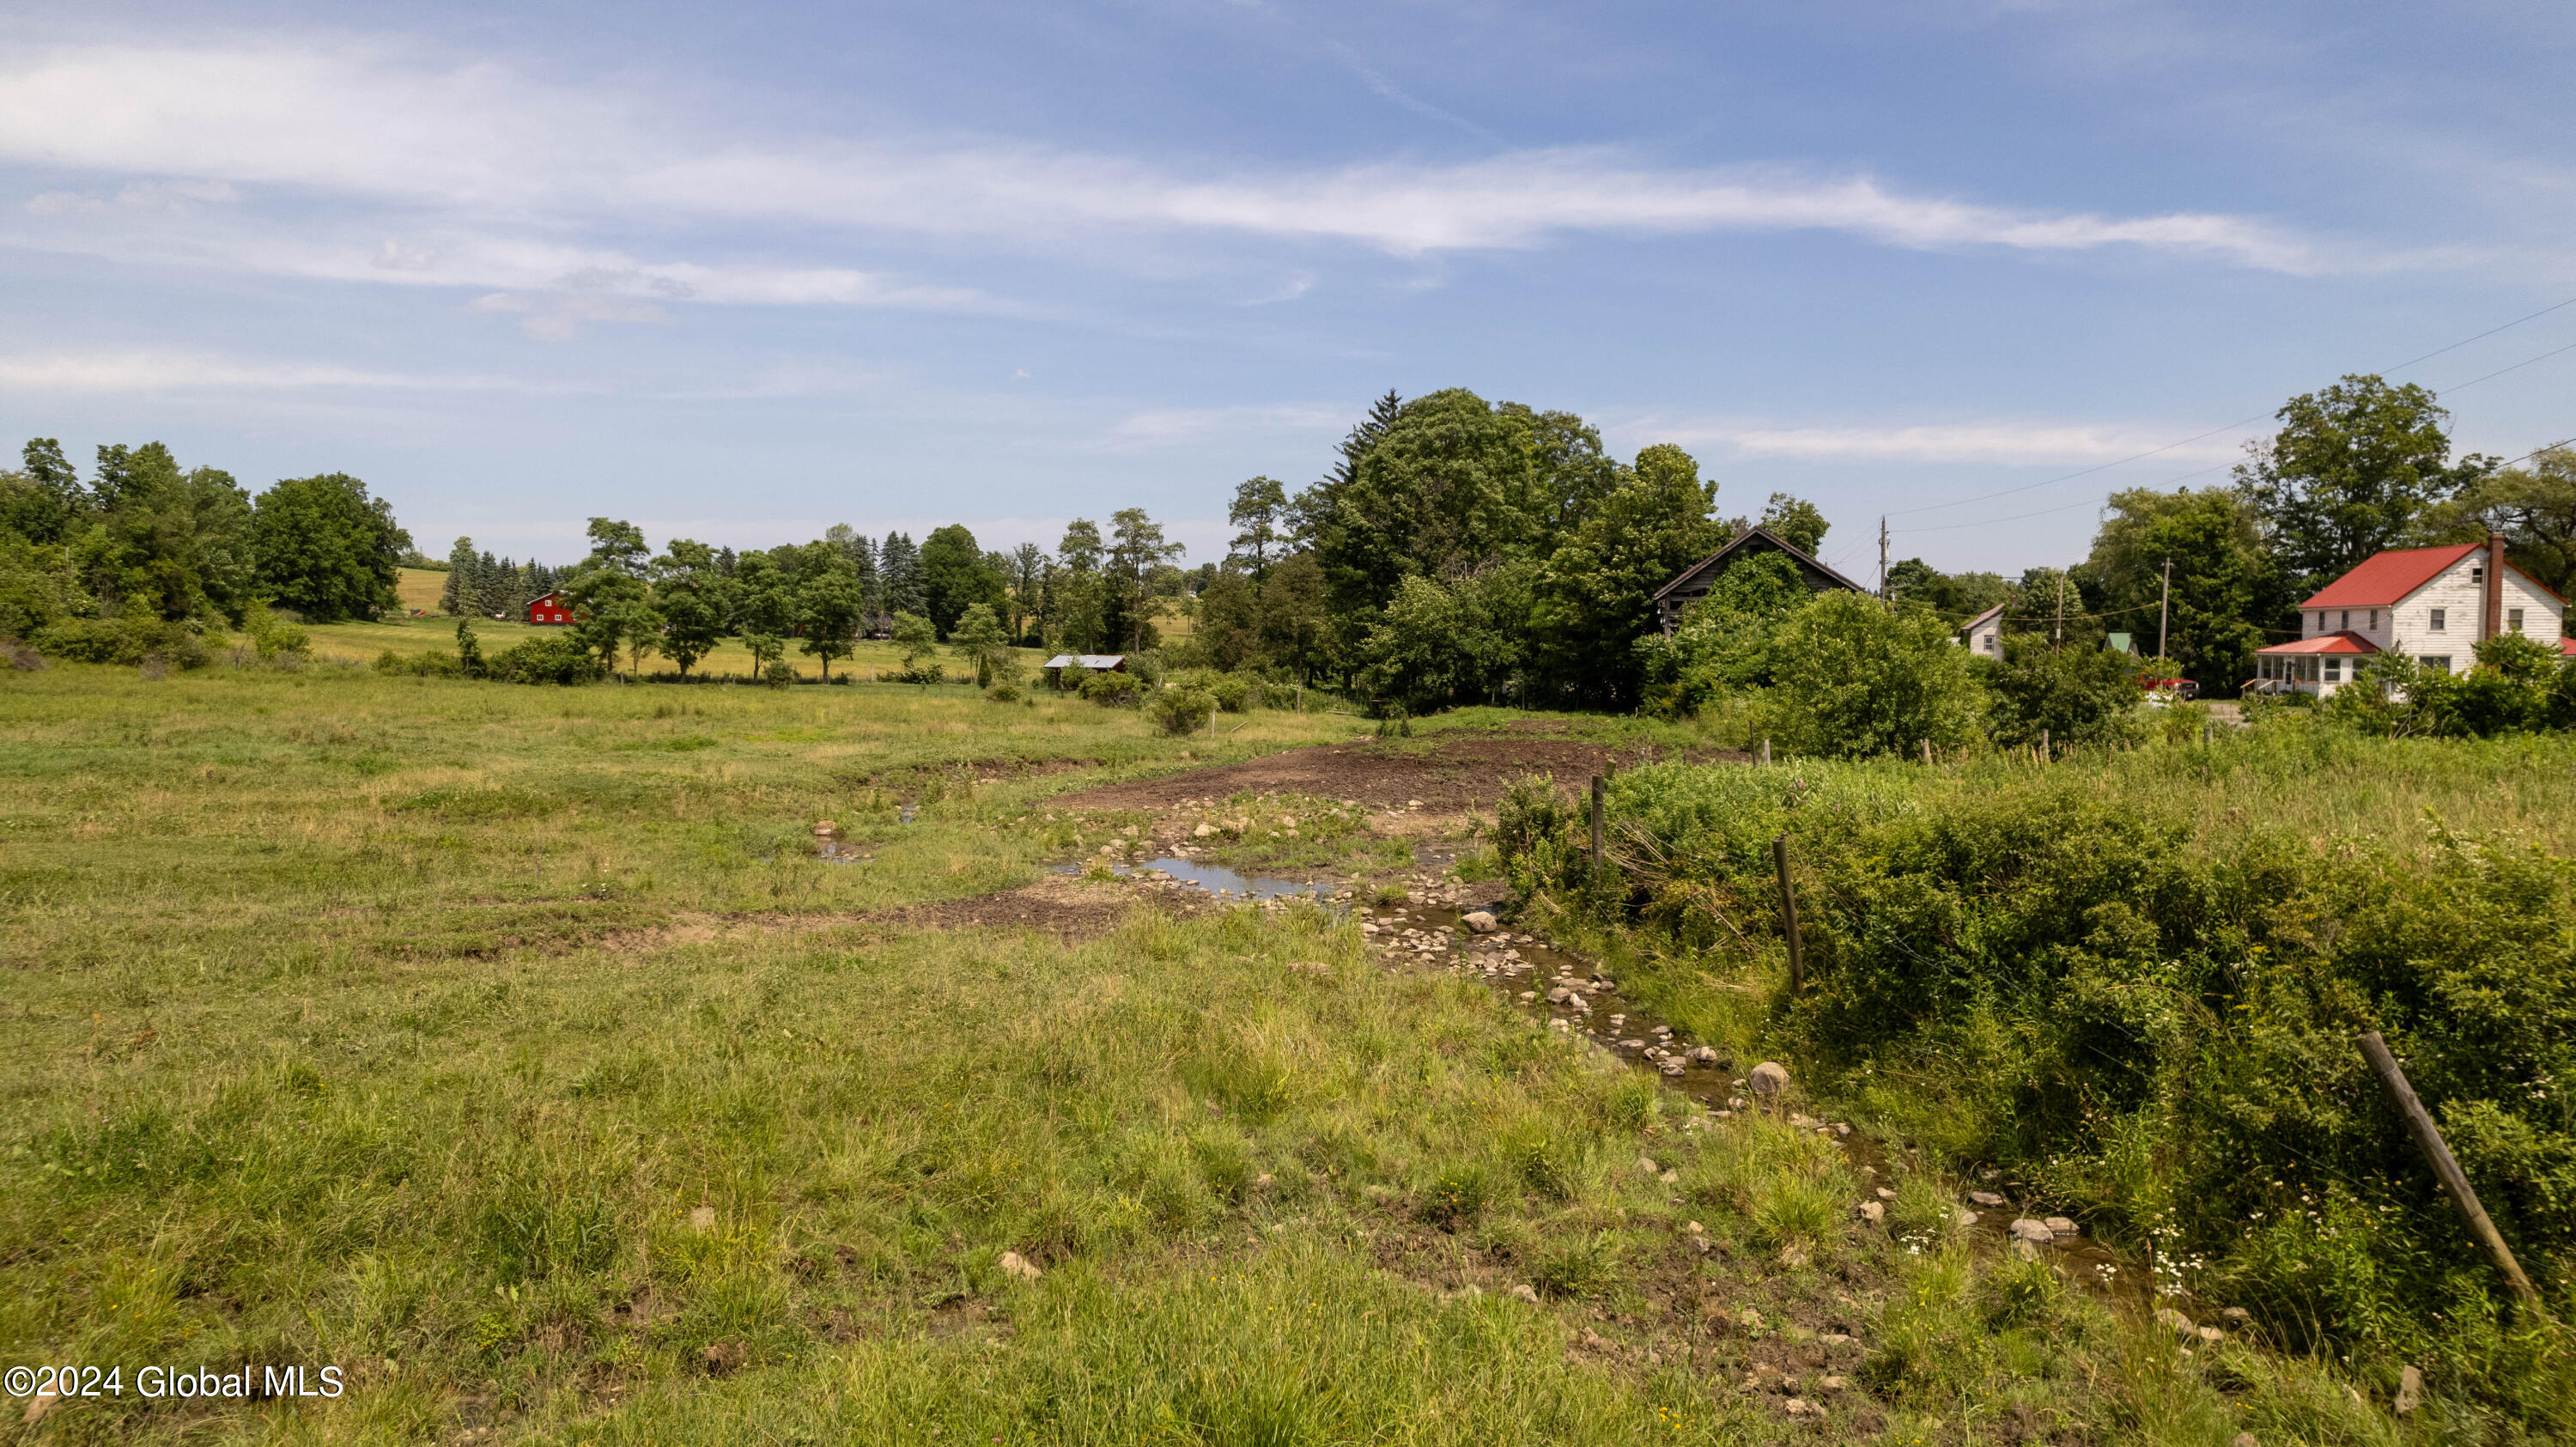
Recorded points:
1852,678
436,663
128,638
2065,695
2155,1026
1232,692
1111,690
551,658
1181,709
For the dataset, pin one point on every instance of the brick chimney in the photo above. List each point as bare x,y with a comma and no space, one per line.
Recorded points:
2495,585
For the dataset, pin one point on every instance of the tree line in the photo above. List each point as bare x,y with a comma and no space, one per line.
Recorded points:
145,557
1455,550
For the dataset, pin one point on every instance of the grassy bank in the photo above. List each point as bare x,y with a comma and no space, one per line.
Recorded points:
2131,983
512,1050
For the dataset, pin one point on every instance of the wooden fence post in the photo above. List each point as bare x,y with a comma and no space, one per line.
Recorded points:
2428,1139
1927,753
1789,914
1598,786
1766,752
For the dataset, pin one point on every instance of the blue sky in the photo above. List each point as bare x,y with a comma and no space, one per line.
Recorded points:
741,272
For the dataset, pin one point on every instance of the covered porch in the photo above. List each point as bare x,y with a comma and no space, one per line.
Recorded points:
2317,666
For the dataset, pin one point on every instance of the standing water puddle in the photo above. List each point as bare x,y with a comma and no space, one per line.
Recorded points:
1216,879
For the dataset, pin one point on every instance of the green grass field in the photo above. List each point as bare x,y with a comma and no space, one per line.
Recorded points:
513,1051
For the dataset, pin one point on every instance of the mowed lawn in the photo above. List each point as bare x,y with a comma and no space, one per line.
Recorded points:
512,1051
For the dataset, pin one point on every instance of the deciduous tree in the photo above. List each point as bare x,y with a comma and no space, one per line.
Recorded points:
2351,470
326,549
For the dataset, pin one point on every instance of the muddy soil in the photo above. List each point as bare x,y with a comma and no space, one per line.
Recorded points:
1454,776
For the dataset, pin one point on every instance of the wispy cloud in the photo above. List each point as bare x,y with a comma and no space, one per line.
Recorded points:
114,372
487,170
2036,444
1174,426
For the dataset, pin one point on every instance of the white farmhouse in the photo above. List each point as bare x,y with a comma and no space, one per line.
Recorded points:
2434,604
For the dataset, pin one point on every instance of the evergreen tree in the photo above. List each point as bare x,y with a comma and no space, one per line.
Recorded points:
899,567
455,596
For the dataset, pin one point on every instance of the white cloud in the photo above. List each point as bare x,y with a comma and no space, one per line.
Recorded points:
491,159
1171,426
115,372
2035,444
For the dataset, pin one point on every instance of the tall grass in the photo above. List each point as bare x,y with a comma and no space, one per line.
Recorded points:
2131,982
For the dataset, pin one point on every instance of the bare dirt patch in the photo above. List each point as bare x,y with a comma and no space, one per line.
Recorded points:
1455,776
1058,904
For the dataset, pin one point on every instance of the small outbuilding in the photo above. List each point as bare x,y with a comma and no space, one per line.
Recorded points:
549,610
1984,634
1694,581
1088,662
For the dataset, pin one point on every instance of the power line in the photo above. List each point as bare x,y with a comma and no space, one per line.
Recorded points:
2246,422
2516,367
2204,472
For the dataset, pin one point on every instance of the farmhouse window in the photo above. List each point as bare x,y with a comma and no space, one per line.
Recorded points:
2440,616
2438,662
2347,619
2334,670
2374,618
2513,619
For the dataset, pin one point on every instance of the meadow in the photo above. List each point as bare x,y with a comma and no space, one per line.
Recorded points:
518,1052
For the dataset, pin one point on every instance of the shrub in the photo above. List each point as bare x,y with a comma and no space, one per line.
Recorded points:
1111,689
1004,693
1180,710
548,659
1855,679
2070,696
779,674
127,640
1233,692
433,664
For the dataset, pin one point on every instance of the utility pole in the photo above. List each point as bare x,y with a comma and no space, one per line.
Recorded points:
2164,610
2061,613
1882,560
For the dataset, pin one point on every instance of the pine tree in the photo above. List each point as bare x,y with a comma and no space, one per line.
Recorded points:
899,565
453,598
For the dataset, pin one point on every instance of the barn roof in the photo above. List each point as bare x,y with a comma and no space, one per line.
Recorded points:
1982,619
1097,662
1709,564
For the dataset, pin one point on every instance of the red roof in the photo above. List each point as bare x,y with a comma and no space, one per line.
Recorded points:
2326,643
2567,646
2384,579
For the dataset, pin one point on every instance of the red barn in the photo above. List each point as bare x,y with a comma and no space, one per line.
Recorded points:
549,609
